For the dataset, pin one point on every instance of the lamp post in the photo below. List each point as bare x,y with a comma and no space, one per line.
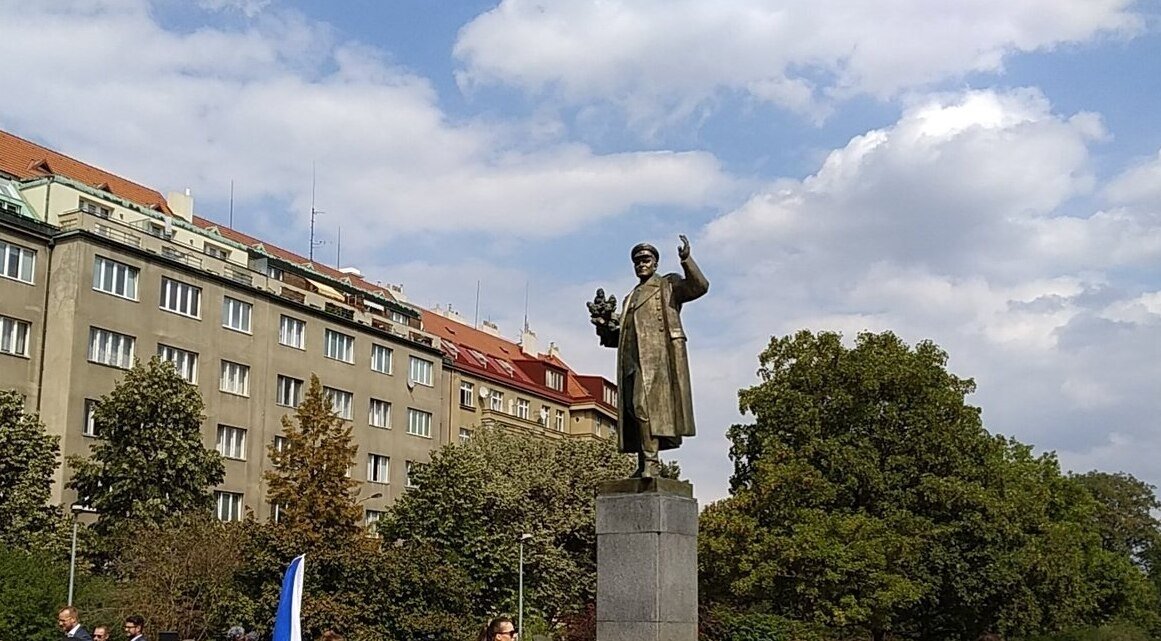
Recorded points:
75,509
520,598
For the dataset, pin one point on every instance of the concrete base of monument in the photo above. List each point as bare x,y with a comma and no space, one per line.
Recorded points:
646,561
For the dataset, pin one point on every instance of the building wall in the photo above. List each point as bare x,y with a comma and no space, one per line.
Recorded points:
25,302
75,307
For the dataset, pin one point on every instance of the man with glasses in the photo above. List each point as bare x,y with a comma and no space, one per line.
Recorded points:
67,621
135,627
499,629
100,633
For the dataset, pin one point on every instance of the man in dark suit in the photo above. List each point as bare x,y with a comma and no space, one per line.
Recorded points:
68,622
135,628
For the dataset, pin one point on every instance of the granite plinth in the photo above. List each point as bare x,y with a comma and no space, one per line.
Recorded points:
646,561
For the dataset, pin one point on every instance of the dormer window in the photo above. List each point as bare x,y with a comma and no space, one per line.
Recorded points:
90,207
554,379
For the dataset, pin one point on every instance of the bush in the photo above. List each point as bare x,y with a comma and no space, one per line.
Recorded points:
34,586
722,624
1110,632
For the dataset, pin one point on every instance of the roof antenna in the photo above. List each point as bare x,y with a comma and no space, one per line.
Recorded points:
525,305
476,323
339,249
313,212
231,203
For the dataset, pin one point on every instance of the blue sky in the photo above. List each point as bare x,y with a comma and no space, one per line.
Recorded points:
985,175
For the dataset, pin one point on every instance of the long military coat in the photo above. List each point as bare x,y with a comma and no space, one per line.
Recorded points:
653,363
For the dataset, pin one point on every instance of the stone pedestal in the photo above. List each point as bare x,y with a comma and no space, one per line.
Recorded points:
646,561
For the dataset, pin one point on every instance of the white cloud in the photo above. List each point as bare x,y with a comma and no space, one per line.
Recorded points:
262,103
669,56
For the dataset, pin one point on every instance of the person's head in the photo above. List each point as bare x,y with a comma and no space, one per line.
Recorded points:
134,625
100,633
235,632
645,259
989,636
499,629
67,618
331,635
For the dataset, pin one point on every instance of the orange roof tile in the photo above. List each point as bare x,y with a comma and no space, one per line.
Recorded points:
26,160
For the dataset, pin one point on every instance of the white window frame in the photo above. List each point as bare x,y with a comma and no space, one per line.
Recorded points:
379,413
232,442
418,422
371,520
17,262
378,468
186,299
554,379
89,426
496,401
115,278
228,506
522,408
339,346
237,315
560,420
184,361
381,354
467,394
292,332
288,391
342,402
408,471
235,378
420,371
114,349
281,443
14,336
465,435
610,395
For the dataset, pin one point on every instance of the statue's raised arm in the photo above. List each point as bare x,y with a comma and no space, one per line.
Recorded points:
603,315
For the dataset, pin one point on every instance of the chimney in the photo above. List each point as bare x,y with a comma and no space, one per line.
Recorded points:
488,327
181,205
553,351
528,341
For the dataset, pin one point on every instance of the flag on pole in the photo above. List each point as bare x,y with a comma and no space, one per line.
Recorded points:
288,622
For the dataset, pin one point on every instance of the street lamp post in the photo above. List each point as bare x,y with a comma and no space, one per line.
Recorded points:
75,509
520,598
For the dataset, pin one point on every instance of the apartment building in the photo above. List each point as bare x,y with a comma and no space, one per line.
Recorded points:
493,382
97,271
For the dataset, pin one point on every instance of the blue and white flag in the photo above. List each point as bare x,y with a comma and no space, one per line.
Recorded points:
288,622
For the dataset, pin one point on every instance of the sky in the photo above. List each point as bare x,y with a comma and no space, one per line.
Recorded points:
985,174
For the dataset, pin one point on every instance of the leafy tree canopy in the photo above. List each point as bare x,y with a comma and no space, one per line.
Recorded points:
26,468
867,495
475,499
149,464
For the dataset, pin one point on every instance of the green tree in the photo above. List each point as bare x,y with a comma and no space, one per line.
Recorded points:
867,495
34,584
475,499
149,464
30,456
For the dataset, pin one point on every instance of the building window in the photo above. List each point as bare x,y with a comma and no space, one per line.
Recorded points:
497,401
545,412
186,363
235,378
216,252
236,314
229,506
341,402
90,207
14,336
232,442
16,262
292,332
89,428
419,371
560,420
380,413
378,468
399,317
418,422
465,435
110,348
281,443
274,272
409,479
114,278
522,408
466,394
339,346
610,395
288,392
180,298
381,359
554,379
371,520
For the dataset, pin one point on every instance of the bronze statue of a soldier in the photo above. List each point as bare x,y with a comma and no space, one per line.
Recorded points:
655,407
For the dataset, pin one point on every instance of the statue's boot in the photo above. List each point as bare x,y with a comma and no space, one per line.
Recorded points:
648,465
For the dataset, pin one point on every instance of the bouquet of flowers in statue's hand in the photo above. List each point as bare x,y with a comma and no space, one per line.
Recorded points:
603,315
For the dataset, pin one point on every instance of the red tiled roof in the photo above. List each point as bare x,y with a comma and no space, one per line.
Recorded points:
26,160
495,351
